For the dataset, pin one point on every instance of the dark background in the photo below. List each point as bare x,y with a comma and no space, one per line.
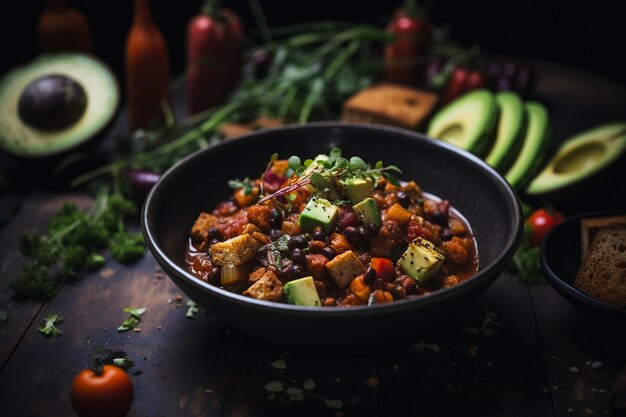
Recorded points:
591,36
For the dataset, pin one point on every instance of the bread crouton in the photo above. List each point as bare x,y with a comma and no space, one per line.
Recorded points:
268,288
389,104
257,274
235,251
200,228
344,268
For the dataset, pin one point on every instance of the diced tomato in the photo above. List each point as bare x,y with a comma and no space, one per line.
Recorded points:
384,268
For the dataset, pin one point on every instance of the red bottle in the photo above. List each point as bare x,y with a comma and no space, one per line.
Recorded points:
63,28
147,70
215,44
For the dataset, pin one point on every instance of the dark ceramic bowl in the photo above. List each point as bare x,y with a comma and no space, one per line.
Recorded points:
200,181
560,260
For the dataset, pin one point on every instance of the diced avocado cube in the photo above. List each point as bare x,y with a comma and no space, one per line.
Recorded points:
318,212
422,260
356,189
368,210
302,292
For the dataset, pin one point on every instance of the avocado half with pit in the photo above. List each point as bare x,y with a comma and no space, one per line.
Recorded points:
55,104
468,122
589,162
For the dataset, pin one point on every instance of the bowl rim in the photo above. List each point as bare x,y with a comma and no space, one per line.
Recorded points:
566,289
423,301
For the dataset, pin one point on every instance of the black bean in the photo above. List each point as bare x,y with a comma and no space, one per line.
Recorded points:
329,252
370,275
214,233
214,241
296,270
447,234
352,234
262,252
275,234
403,199
298,256
320,235
298,241
373,230
276,218
362,233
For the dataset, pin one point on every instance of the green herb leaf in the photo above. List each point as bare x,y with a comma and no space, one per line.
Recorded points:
279,364
192,309
357,163
133,320
334,404
393,180
309,384
275,386
124,362
48,327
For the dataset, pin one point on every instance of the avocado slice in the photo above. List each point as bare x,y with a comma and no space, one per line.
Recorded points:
421,260
55,103
533,150
368,211
581,157
468,122
302,292
510,131
318,212
356,189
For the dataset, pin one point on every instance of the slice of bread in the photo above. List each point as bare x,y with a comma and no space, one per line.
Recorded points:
389,104
602,274
589,227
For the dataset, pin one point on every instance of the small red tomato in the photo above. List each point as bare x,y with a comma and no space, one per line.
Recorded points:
541,221
105,394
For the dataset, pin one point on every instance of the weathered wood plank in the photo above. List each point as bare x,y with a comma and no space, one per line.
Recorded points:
582,357
463,373
33,216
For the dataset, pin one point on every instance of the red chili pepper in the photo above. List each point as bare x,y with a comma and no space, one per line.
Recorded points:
384,269
214,56
411,34
461,81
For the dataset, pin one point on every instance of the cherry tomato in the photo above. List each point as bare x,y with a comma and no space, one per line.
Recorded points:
541,221
108,394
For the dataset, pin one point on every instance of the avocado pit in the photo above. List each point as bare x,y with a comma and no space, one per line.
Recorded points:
52,102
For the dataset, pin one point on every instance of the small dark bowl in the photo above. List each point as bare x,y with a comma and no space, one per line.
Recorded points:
560,260
200,181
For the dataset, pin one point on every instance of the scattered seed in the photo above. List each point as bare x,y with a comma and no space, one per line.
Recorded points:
279,364
573,369
372,382
309,384
596,365
275,386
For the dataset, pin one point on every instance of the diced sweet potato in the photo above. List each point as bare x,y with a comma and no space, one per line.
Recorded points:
339,243
259,215
315,263
456,251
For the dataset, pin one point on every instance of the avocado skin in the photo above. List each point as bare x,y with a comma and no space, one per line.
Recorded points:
52,102
510,107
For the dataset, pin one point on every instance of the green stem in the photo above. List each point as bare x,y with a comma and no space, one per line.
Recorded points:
259,17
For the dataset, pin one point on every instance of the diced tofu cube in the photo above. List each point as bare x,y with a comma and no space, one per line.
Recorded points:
235,251
344,268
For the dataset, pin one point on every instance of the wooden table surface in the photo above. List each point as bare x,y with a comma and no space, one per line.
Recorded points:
539,356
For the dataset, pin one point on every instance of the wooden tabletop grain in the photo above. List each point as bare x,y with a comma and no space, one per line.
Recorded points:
536,355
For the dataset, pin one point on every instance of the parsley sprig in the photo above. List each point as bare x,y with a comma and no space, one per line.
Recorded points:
133,319
48,327
74,242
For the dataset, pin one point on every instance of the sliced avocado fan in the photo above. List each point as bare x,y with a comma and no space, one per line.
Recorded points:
580,157
55,103
510,132
468,122
533,150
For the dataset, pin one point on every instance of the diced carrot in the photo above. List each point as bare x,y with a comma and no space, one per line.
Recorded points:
245,200
399,214
339,243
360,288
390,188
279,166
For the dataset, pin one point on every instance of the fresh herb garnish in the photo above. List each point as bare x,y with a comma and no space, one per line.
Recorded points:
48,327
73,243
3,316
192,309
133,319
488,324
326,172
123,362
246,184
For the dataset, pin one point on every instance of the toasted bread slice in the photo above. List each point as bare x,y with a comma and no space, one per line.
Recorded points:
589,227
389,104
602,274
